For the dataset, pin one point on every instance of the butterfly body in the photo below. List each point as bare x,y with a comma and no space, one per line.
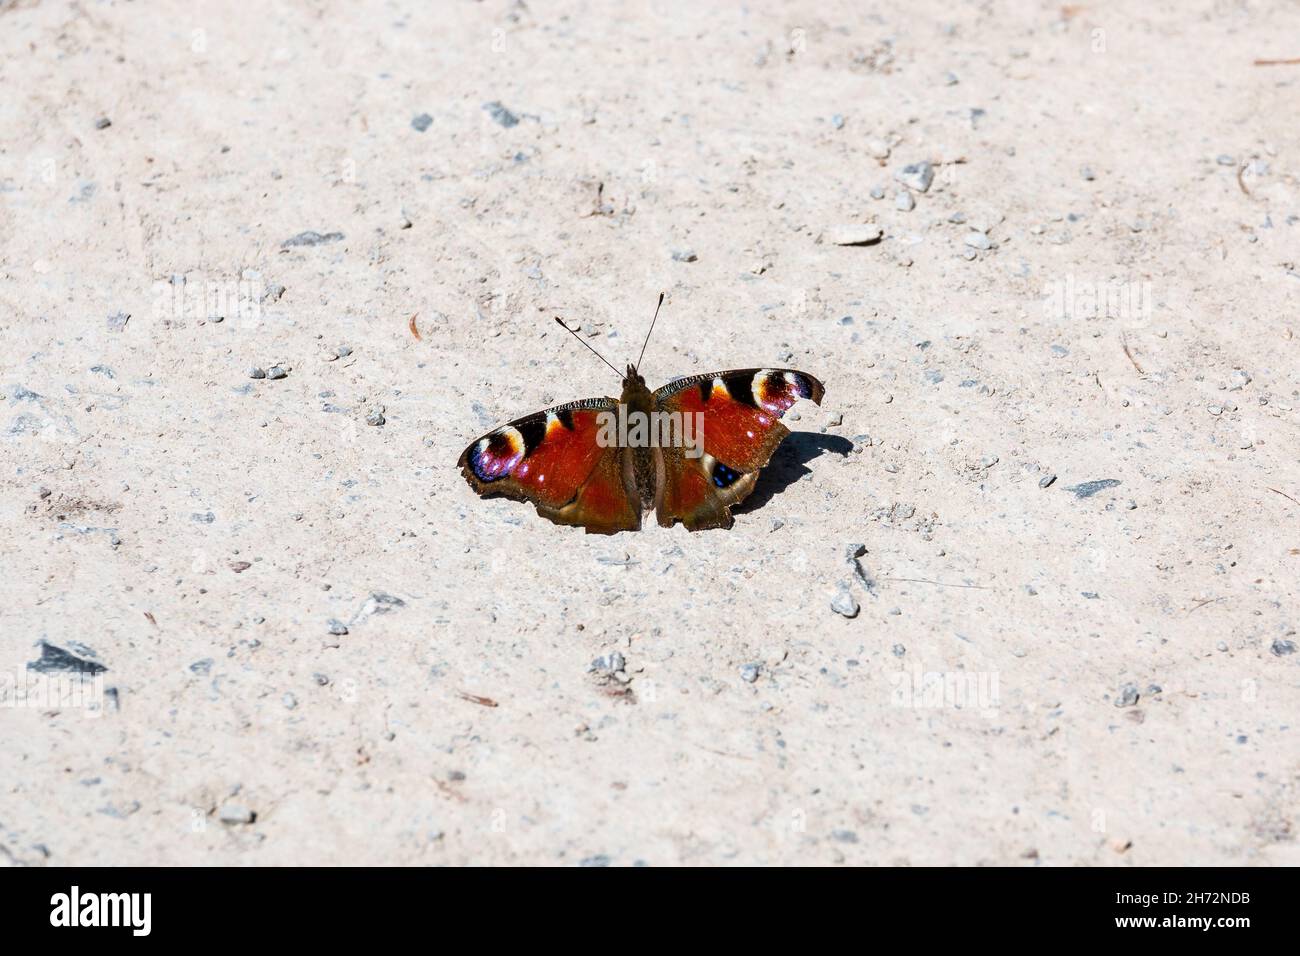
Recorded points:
563,460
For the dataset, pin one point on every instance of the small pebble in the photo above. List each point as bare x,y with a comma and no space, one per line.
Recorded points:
311,238
878,148
903,201
103,123
375,418
421,122
609,663
501,115
337,627
1128,696
1046,481
917,176
749,673
845,604
275,372
257,373
853,235
1282,648
684,255
234,813
1089,488
977,240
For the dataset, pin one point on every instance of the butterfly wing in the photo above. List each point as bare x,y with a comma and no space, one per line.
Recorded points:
741,429
553,459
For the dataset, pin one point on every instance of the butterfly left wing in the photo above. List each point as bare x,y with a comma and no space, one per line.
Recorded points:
741,429
553,459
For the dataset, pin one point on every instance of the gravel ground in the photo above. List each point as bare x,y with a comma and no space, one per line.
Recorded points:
1022,591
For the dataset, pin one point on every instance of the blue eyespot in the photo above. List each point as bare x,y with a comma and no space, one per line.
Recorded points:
724,476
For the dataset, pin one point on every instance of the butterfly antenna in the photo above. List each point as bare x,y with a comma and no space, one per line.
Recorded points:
584,342
647,335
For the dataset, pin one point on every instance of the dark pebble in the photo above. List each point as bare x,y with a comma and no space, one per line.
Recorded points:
57,660
1090,488
310,238
501,114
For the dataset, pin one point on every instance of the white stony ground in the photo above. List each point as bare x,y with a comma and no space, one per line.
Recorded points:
1070,674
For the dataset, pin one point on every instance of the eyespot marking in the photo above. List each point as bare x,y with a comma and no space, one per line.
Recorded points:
497,454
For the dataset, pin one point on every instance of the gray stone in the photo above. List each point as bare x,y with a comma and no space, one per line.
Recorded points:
55,660
235,813
845,604
608,663
903,201
1089,488
421,122
1127,696
501,115
311,238
917,176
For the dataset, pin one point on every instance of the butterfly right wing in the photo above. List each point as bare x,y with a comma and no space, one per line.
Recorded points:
739,412
553,459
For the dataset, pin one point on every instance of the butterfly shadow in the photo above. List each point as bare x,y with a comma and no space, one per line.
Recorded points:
788,465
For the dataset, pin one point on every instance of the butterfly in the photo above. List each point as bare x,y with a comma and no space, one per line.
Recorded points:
582,463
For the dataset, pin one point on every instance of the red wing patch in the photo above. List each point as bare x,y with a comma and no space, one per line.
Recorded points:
553,459
545,457
741,430
741,410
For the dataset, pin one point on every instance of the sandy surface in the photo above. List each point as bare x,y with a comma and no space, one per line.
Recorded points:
194,530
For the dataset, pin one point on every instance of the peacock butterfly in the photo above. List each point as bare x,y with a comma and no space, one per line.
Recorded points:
690,450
